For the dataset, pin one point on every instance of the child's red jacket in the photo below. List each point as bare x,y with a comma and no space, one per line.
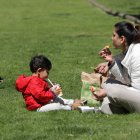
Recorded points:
35,91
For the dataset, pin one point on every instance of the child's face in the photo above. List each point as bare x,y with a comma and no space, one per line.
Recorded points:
43,73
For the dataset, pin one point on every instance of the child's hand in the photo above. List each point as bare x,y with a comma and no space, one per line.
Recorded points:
56,89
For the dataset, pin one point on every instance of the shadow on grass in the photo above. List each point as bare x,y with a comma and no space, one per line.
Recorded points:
74,130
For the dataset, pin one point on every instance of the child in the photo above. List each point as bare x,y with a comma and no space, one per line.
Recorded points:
36,92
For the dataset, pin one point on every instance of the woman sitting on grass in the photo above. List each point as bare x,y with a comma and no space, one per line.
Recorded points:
37,94
122,94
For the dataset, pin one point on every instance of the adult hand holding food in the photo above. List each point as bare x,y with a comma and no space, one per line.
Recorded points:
106,54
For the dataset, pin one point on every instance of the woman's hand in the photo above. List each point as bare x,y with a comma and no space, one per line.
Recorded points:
99,95
102,68
106,54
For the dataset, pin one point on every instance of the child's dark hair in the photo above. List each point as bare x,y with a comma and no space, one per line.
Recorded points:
40,61
127,30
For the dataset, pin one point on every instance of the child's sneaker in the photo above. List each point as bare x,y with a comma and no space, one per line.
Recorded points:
84,109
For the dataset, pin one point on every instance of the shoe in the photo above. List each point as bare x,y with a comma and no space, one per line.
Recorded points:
82,102
84,109
75,106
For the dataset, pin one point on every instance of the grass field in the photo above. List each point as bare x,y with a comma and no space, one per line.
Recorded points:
70,33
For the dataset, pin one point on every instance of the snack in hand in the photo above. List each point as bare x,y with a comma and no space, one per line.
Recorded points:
107,47
106,50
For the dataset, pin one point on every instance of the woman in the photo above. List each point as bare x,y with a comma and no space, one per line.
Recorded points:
121,94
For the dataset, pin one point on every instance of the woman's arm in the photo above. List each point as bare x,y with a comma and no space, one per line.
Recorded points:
119,71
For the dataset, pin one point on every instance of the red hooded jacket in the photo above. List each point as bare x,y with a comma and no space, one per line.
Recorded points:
35,91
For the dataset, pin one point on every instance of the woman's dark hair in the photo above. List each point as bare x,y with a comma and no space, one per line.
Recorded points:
137,27
40,61
127,30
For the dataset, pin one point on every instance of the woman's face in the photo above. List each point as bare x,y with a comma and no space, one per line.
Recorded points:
117,41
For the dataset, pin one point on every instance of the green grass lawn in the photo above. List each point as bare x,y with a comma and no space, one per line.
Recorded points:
70,33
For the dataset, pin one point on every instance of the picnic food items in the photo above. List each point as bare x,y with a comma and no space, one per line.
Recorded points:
91,83
107,49
107,46
91,80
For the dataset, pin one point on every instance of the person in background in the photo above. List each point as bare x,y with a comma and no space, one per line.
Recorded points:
121,94
37,94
